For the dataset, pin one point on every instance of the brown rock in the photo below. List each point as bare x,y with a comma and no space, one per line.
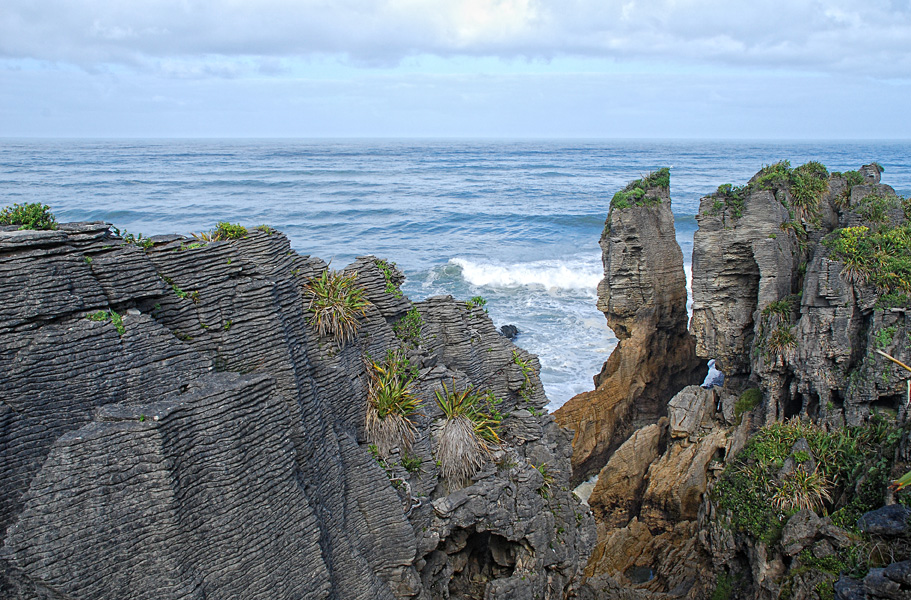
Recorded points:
618,492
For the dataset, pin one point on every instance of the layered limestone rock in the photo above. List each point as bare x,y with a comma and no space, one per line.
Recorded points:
792,313
796,293
173,427
643,295
774,304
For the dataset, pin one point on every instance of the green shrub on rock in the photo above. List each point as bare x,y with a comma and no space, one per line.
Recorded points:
844,474
634,194
390,404
33,215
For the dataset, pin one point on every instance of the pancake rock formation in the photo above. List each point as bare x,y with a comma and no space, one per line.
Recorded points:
173,426
643,295
774,484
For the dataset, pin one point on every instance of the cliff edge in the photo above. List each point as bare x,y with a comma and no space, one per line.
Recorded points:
173,424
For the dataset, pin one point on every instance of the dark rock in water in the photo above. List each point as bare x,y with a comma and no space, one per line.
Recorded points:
887,521
172,426
509,331
849,589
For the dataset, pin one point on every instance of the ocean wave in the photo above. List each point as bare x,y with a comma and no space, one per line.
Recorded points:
551,274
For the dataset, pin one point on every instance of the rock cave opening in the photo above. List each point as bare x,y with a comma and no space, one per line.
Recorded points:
792,404
889,404
477,558
812,407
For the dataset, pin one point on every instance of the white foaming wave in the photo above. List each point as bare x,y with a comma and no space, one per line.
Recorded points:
551,274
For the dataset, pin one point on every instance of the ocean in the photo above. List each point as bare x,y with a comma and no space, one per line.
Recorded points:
516,222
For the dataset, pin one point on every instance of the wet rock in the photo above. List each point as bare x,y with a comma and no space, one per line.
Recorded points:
509,331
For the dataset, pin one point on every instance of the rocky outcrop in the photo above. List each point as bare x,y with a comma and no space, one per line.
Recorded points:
171,426
791,298
650,498
775,305
643,295
795,292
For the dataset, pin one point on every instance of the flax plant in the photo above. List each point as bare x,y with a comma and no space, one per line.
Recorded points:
390,405
335,302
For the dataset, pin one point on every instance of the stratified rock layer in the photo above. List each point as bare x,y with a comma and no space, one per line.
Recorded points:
214,446
643,295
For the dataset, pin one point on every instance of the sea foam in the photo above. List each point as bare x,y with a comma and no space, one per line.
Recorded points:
550,274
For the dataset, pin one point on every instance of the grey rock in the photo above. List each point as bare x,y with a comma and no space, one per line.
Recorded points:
689,409
889,521
849,589
643,296
215,447
877,585
899,572
509,331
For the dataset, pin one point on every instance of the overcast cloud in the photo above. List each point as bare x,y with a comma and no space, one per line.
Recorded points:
510,68
863,38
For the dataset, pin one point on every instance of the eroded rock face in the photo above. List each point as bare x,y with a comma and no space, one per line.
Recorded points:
212,445
774,306
643,295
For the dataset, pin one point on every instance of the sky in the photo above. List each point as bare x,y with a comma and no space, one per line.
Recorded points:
711,69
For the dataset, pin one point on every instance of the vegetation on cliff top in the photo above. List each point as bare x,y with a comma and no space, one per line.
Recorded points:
880,256
807,184
223,232
634,194
32,215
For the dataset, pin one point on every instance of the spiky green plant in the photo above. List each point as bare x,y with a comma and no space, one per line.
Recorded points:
390,404
471,428
335,302
781,342
800,490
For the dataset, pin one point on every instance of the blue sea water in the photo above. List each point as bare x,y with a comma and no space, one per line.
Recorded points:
516,222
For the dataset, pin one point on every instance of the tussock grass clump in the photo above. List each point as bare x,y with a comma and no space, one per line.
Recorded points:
880,257
807,185
471,428
335,302
32,215
391,404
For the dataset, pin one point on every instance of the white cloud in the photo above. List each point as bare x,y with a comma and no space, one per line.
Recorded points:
847,36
